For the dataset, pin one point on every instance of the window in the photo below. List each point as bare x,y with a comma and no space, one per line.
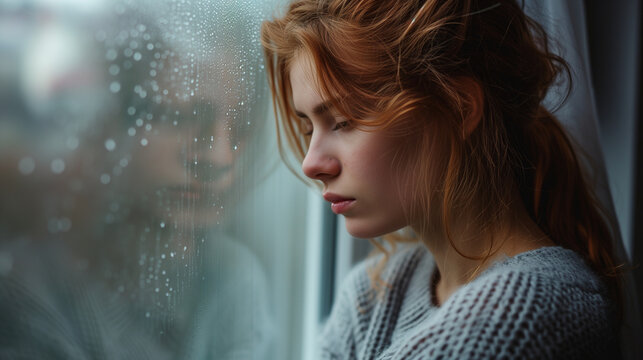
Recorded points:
145,211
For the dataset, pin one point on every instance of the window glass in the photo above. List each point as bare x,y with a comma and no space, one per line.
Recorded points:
144,210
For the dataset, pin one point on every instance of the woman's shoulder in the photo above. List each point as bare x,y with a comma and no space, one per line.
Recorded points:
544,303
554,266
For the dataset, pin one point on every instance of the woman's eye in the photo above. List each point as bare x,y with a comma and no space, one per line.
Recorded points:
306,129
341,125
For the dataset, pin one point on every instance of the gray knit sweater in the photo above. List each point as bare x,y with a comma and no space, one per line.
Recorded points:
540,304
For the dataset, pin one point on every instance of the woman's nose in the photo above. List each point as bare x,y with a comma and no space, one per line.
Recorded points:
213,154
320,165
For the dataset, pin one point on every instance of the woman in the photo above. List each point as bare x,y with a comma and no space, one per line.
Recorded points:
427,115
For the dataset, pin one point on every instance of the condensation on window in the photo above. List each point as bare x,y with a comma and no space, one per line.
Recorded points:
139,182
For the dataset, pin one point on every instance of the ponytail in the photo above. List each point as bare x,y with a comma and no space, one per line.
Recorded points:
559,200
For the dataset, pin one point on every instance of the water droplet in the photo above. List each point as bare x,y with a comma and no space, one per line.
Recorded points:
64,224
175,122
162,256
114,69
148,127
144,142
131,131
139,122
156,290
110,144
235,147
57,166
105,179
26,165
123,162
162,224
137,56
150,46
111,55
128,52
172,254
211,137
185,248
147,314
115,87
72,143
195,140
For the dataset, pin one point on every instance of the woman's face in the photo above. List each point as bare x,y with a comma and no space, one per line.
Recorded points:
354,166
184,173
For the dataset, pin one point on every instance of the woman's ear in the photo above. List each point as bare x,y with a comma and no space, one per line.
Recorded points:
473,101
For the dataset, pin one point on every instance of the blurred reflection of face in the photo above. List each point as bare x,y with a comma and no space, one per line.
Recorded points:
184,174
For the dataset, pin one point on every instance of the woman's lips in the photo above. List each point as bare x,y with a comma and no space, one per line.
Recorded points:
182,192
339,204
185,195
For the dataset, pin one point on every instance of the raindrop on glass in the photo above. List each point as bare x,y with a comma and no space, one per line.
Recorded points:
110,144
111,55
131,131
26,165
105,179
144,142
114,69
72,143
57,166
115,87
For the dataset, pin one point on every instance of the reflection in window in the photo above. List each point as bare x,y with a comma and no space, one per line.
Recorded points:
137,184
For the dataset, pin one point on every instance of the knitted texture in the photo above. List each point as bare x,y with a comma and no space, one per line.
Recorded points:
540,304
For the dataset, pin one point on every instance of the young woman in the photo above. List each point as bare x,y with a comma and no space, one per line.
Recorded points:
427,115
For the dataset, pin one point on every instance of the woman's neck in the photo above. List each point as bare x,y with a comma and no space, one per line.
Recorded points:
515,234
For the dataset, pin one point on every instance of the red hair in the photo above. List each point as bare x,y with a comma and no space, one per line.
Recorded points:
401,65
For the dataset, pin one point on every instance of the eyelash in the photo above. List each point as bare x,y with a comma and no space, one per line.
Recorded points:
341,125
338,126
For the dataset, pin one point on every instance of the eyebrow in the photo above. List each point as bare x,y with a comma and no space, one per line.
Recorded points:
317,110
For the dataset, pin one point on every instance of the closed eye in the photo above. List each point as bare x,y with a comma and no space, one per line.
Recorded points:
341,125
306,127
